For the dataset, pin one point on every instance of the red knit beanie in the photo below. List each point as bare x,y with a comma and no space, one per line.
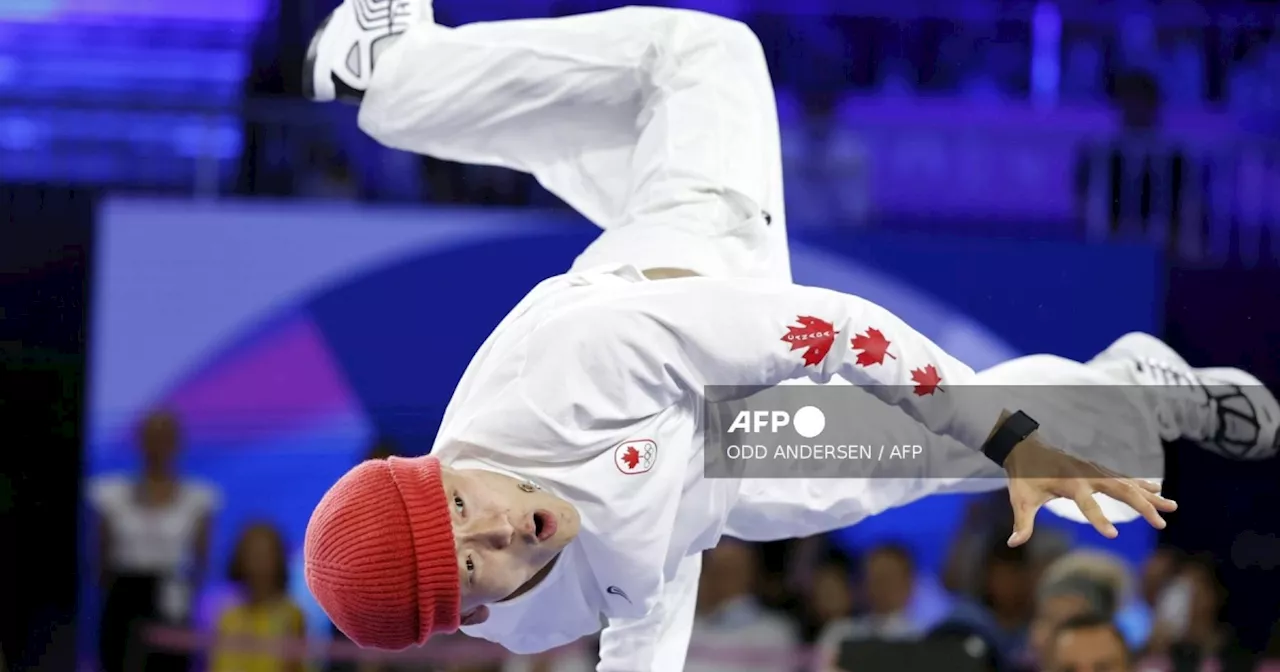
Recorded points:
380,556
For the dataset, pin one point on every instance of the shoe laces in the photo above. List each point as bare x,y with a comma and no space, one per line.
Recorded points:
1183,406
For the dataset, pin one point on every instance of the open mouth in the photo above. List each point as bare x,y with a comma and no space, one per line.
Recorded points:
544,525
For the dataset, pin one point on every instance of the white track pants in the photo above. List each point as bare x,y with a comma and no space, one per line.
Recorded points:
658,125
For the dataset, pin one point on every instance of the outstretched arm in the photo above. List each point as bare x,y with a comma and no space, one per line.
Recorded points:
635,352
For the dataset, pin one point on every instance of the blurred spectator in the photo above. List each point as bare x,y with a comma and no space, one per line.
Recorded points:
1088,643
983,514
1079,584
1138,183
259,568
729,617
829,595
1003,610
1157,573
786,570
888,582
1189,619
154,546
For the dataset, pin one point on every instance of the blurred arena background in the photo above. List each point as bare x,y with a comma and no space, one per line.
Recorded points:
206,280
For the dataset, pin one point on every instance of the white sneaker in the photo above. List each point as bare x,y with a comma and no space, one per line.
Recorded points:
345,49
1224,410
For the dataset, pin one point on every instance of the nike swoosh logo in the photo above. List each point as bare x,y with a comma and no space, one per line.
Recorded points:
614,590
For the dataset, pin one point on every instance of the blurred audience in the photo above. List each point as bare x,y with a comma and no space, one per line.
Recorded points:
1189,623
1087,643
265,614
828,598
888,583
1158,571
1002,611
153,532
1080,584
729,616
1140,182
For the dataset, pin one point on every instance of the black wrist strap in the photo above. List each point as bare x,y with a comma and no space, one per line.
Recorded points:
1014,430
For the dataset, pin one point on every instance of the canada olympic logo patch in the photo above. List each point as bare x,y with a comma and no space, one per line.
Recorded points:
635,457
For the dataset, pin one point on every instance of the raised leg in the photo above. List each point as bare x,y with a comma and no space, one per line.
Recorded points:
659,125
1225,410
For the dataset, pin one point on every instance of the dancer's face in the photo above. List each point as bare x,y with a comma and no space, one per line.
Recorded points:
507,534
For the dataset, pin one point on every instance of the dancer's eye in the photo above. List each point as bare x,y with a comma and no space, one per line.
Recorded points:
457,503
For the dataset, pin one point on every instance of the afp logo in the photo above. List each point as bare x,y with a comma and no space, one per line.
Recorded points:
807,422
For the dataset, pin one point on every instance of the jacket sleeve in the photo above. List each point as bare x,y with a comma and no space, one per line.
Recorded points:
632,353
658,641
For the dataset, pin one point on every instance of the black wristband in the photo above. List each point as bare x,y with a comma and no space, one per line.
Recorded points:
1014,430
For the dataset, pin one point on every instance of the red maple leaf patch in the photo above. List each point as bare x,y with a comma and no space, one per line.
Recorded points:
815,336
631,457
927,381
874,347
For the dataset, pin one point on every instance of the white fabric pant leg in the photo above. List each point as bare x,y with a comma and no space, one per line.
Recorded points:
659,125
